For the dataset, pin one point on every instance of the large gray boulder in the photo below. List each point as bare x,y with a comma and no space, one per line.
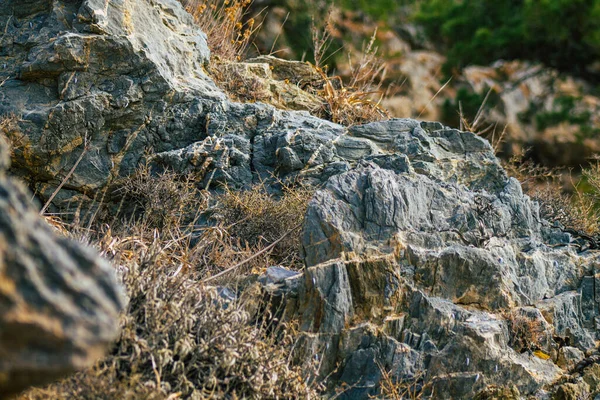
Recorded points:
59,301
426,261
120,80
117,77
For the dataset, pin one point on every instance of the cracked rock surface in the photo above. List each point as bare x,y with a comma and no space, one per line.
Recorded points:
428,261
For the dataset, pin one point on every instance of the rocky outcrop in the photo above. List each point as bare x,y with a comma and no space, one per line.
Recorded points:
424,260
59,301
267,79
552,114
107,79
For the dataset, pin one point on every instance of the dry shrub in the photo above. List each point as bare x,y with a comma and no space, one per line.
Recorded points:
162,199
526,334
240,86
394,389
179,338
357,100
256,218
236,227
223,22
575,210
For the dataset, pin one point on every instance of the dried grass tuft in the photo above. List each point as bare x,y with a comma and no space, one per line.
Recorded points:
394,389
526,334
575,210
181,338
358,100
257,218
225,25
163,199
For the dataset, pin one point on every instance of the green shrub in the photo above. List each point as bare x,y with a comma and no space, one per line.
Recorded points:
379,9
563,111
560,33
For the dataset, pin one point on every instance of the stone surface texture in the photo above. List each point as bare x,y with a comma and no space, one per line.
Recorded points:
424,257
424,260
59,301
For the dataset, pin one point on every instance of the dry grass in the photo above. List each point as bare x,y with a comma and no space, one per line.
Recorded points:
526,334
576,210
241,86
357,99
257,218
352,101
164,200
180,338
393,389
9,128
223,21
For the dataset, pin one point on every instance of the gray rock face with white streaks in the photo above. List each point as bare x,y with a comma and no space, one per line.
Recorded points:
430,245
114,77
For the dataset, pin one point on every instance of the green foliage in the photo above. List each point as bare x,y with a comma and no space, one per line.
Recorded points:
560,33
563,111
302,14
470,102
379,9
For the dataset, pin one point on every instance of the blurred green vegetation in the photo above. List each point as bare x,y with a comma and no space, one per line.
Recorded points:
470,103
379,9
564,34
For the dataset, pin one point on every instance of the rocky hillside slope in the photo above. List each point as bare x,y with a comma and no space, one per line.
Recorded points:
424,262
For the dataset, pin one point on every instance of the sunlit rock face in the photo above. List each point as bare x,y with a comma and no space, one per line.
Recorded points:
425,261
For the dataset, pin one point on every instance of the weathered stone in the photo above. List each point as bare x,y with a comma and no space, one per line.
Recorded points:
281,83
92,75
568,357
418,246
59,301
591,376
572,391
493,392
428,227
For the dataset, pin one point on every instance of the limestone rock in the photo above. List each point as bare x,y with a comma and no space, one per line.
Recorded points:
572,391
59,301
92,75
426,240
498,393
423,258
270,80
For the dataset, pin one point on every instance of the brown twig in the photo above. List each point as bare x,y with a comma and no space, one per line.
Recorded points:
252,257
66,178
